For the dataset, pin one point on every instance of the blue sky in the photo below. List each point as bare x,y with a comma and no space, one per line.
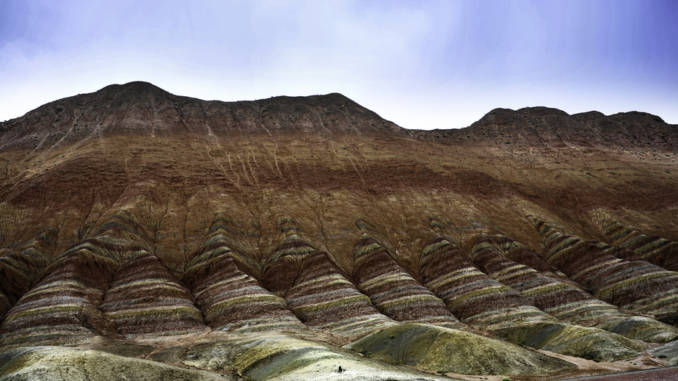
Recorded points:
422,64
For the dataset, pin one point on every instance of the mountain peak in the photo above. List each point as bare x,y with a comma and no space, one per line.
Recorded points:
551,127
507,115
638,116
143,109
133,88
542,111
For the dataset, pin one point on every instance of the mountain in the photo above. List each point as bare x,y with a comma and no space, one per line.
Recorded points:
142,109
543,126
305,237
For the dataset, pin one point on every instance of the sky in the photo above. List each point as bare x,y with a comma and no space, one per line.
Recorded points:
422,64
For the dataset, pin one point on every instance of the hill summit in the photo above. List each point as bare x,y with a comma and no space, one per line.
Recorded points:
141,108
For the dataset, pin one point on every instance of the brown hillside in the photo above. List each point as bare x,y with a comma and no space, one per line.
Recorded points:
130,184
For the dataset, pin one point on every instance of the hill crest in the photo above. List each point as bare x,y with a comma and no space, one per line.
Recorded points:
141,108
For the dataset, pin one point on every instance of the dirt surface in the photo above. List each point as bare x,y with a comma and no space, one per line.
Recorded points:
661,374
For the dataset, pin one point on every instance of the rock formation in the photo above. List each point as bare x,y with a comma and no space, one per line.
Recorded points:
149,235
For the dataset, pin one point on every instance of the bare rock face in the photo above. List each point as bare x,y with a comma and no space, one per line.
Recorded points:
145,234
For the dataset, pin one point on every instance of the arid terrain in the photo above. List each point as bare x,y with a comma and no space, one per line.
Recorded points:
153,236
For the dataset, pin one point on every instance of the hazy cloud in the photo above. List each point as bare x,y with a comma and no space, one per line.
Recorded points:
422,64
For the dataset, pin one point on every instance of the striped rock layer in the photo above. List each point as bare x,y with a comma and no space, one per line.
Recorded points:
563,300
229,298
520,253
470,294
62,307
324,298
482,301
637,286
395,292
20,267
146,299
317,291
284,264
657,250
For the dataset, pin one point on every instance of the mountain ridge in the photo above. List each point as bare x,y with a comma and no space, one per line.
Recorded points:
141,108
309,238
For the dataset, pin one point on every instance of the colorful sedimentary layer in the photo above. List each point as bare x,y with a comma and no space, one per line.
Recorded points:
324,298
20,267
230,298
482,301
637,286
283,266
660,251
470,294
146,299
395,292
561,299
63,306
520,253
317,291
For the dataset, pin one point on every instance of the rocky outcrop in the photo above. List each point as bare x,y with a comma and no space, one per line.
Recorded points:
145,299
20,267
229,298
638,246
323,297
63,306
638,286
560,298
470,294
283,266
317,291
482,301
669,352
395,292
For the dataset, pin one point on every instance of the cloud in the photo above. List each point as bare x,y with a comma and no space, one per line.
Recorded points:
433,64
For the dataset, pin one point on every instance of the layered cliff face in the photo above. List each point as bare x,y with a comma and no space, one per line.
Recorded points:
305,237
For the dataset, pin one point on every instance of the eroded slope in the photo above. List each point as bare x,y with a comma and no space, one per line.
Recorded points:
278,238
